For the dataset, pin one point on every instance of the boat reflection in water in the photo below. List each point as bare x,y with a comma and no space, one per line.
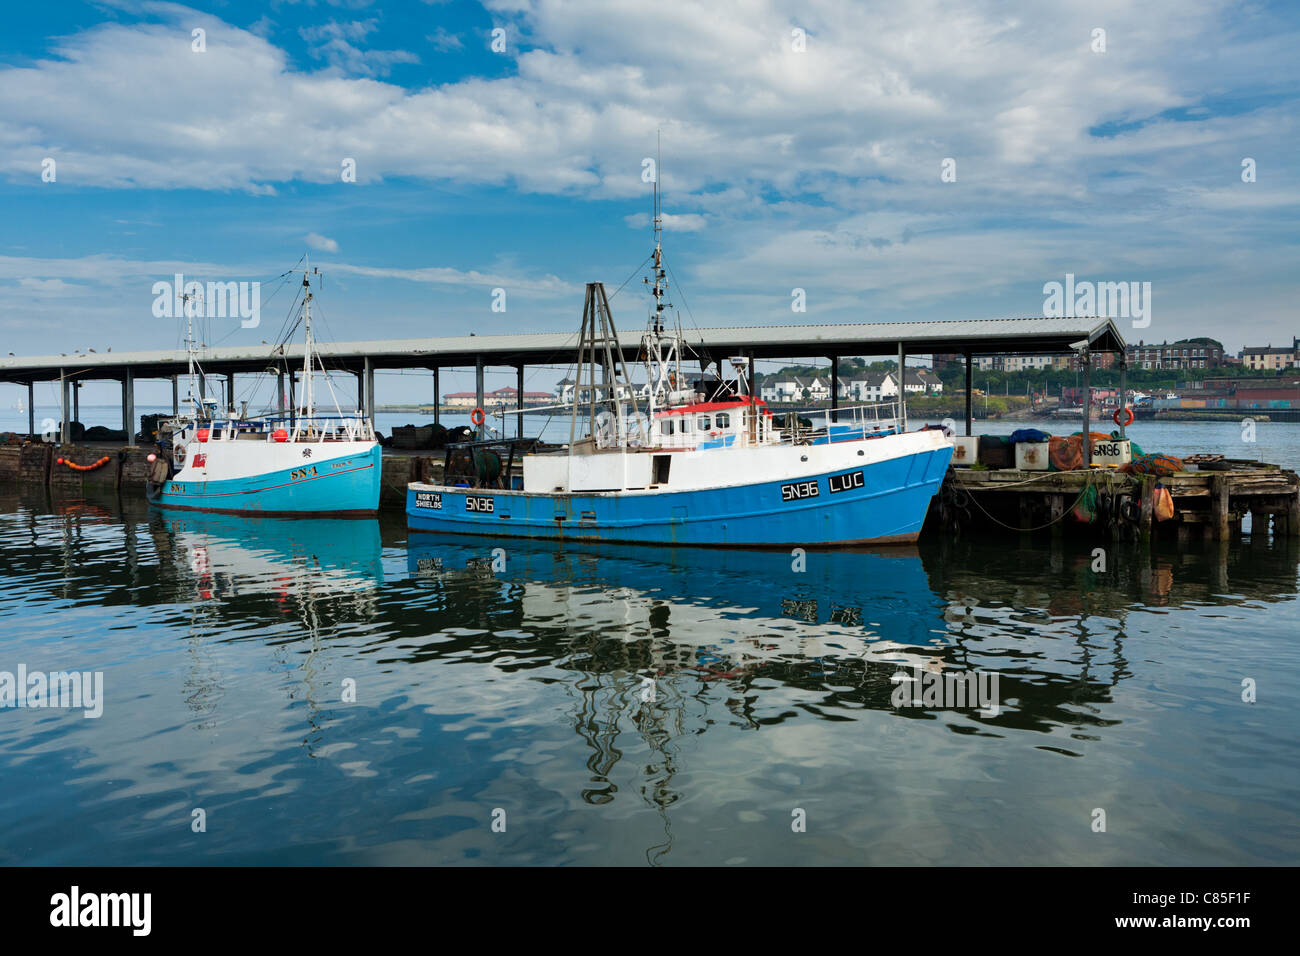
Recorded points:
661,641
634,703
653,636
282,580
292,558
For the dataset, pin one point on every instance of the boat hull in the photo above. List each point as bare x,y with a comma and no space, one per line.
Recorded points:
874,502
346,485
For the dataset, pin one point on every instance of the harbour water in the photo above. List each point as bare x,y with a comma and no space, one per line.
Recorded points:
338,692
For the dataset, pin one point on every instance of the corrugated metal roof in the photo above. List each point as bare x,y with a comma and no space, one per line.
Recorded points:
979,336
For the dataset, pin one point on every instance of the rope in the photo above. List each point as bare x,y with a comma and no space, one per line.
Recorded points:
1089,484
632,276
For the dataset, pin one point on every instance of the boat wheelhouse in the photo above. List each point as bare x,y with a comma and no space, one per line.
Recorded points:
730,423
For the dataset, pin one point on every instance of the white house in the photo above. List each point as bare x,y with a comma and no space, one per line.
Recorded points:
923,380
795,389
882,386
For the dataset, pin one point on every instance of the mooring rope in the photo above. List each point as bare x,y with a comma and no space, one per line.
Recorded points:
1088,484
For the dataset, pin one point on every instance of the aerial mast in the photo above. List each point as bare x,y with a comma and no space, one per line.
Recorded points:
309,404
189,347
660,284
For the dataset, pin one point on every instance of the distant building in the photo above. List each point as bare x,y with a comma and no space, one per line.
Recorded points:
795,389
881,386
1185,353
1271,358
1022,363
501,397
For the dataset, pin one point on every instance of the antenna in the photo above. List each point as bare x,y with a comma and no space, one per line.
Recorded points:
189,344
309,404
661,277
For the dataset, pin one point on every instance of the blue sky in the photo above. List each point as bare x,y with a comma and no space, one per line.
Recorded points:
521,169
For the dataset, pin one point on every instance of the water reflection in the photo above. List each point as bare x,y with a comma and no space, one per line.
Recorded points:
618,684
733,629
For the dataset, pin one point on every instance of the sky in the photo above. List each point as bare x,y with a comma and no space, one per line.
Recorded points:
895,162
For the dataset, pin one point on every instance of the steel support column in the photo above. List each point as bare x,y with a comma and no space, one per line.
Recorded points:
478,395
902,388
65,426
437,396
969,385
1085,358
1123,394
835,388
519,402
370,389
31,409
128,406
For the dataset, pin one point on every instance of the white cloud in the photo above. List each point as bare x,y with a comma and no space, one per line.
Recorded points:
688,222
444,41
549,284
818,169
320,242
879,93
338,45
50,287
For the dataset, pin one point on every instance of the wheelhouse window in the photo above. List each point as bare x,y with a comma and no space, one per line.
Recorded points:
723,420
668,426
686,425
703,423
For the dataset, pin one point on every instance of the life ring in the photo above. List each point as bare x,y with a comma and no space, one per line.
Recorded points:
477,416
180,454
1127,414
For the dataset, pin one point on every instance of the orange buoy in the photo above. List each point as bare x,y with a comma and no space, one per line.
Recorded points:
280,435
75,467
203,434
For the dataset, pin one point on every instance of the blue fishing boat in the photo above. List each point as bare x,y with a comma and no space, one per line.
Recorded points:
672,461
289,463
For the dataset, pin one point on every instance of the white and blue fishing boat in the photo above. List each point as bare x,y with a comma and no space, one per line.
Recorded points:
293,462
703,463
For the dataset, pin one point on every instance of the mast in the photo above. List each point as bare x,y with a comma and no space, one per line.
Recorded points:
660,283
309,404
189,348
658,367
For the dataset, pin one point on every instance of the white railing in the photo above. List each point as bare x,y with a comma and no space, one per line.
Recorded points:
850,421
314,428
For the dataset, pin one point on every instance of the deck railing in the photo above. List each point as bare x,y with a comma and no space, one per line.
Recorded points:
313,428
848,422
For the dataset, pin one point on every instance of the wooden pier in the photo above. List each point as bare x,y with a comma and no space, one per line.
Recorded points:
1210,504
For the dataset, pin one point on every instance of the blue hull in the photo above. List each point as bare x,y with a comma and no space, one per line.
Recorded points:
349,485
882,502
